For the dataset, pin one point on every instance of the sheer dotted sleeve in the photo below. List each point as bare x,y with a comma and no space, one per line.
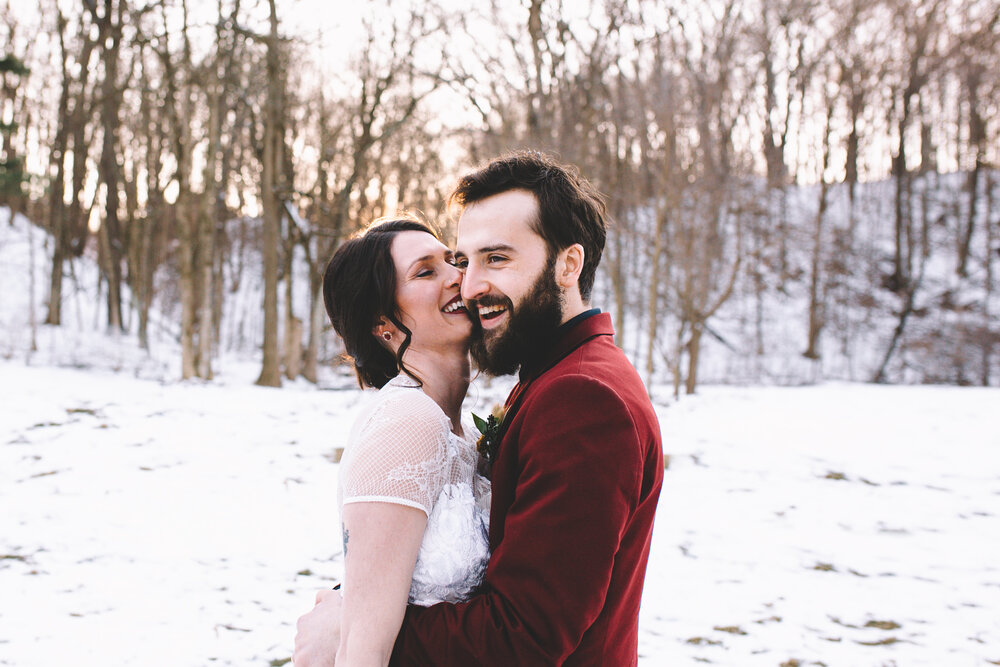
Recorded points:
397,452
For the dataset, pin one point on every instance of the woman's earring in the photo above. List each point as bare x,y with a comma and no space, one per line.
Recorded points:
386,336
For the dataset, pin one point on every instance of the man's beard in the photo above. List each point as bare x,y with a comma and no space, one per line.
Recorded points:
529,331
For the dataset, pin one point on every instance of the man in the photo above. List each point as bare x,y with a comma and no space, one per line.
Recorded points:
578,469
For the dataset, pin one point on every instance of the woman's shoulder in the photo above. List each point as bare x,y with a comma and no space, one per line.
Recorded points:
403,408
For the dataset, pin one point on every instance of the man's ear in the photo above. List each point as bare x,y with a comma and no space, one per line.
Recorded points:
569,264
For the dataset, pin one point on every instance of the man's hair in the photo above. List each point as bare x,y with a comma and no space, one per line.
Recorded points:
570,209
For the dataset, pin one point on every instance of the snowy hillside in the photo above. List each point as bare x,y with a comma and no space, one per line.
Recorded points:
758,336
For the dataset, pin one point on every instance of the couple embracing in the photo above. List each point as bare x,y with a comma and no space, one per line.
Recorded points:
530,548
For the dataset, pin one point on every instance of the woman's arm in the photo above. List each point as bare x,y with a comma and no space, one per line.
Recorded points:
381,542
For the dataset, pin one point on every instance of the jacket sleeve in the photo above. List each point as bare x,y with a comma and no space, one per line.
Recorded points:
546,583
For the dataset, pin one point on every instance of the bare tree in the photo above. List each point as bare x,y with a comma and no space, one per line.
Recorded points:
378,120
67,224
111,237
919,49
270,373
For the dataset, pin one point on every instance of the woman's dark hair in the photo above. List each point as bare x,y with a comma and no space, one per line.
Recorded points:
570,209
359,287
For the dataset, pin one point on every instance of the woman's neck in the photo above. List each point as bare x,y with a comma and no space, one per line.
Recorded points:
445,379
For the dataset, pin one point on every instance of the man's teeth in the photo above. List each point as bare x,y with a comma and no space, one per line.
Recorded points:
488,310
453,306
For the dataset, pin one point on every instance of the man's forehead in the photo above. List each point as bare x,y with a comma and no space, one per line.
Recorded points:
488,224
474,234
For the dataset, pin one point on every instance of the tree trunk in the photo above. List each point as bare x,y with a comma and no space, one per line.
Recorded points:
618,288
108,165
206,232
817,301
977,141
185,215
270,373
57,208
653,293
694,351
293,325
900,276
987,338
317,311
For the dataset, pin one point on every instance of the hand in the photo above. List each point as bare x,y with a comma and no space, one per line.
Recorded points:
318,635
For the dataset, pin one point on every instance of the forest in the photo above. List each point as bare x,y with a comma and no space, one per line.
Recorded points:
801,189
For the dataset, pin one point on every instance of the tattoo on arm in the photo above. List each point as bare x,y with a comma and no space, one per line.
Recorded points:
347,537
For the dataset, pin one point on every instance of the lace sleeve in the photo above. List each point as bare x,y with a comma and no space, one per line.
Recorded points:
399,453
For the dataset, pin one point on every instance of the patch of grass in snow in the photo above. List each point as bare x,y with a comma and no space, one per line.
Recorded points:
83,411
704,641
772,619
888,641
43,425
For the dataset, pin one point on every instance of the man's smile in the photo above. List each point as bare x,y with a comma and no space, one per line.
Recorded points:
492,316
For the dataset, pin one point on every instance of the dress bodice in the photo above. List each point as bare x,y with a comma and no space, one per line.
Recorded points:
402,450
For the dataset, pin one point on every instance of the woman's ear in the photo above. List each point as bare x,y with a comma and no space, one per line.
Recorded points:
569,265
384,331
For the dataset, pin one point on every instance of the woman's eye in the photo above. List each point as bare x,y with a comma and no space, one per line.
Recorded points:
425,273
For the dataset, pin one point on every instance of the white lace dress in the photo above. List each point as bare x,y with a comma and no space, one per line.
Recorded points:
402,450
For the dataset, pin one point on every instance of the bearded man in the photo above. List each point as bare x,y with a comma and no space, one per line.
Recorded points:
578,464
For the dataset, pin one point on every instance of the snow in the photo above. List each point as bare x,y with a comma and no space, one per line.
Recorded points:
147,521
154,523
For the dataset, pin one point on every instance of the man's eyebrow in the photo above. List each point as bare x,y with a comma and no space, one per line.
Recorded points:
500,247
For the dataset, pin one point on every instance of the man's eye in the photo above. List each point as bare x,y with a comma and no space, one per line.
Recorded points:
461,263
493,259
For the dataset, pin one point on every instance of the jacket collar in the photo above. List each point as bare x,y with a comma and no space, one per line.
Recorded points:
576,334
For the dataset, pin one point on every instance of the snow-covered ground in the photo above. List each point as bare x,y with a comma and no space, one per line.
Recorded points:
189,524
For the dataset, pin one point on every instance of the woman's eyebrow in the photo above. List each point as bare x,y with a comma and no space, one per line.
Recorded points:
418,260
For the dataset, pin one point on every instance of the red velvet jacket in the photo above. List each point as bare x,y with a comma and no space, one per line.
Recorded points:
575,485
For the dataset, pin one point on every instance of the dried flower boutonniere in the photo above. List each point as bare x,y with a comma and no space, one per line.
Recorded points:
492,432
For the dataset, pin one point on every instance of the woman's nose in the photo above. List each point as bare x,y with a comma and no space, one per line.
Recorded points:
473,286
454,276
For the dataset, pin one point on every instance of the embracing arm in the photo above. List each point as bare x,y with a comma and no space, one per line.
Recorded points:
578,483
381,542
389,484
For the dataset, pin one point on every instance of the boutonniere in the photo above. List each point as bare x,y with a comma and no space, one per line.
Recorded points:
492,432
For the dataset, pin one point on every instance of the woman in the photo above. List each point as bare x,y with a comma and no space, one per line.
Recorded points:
414,509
